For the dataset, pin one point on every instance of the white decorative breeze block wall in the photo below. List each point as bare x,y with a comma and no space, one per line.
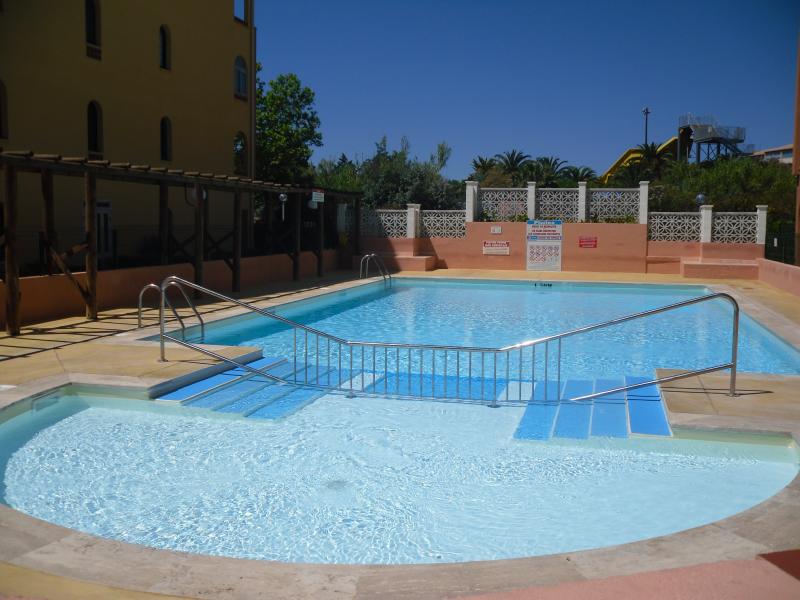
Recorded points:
504,204
443,224
610,203
558,203
384,222
674,227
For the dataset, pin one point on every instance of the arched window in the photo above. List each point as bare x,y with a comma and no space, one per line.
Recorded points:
94,126
3,111
240,77
92,22
240,154
166,139
164,48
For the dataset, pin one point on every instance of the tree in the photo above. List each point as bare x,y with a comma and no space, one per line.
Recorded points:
570,176
546,171
481,165
512,162
286,129
392,178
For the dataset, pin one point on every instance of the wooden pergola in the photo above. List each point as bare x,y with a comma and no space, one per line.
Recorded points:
49,165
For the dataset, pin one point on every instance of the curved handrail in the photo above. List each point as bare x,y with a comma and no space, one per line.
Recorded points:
526,343
153,286
149,286
179,282
164,287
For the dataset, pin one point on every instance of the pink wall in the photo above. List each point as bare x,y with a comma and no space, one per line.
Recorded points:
384,245
785,277
53,297
467,252
621,247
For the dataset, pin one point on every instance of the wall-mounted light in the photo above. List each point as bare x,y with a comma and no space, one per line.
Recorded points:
283,198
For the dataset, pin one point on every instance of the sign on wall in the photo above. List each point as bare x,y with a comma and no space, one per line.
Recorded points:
318,196
587,242
544,245
497,247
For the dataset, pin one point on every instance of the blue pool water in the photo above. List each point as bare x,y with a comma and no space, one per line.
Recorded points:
495,314
364,480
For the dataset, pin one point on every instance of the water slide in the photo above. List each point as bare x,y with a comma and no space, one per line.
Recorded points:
634,154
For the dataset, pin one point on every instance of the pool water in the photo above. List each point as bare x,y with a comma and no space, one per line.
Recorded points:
364,480
495,314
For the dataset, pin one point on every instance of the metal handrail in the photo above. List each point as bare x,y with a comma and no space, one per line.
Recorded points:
469,351
363,269
153,286
149,286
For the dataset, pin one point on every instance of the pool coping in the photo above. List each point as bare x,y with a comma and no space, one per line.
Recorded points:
31,543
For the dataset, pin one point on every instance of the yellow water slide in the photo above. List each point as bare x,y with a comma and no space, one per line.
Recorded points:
633,154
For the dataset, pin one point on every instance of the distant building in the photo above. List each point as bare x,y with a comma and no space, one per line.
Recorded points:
782,154
165,83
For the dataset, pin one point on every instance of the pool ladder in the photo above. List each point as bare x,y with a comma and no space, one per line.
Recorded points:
421,370
363,269
167,303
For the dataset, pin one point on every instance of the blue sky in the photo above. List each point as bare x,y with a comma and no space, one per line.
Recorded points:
565,78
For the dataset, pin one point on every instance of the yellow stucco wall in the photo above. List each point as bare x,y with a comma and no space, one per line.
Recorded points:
50,81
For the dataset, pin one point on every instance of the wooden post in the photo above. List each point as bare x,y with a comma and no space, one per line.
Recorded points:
90,187
199,235
298,230
50,235
163,222
237,241
356,233
320,238
12,265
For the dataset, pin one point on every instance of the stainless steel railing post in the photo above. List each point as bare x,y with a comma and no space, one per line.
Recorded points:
734,349
161,325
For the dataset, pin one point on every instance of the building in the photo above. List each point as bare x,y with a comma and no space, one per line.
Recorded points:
169,84
783,154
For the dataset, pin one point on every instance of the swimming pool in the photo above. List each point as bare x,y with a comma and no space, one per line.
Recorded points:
323,477
364,480
498,313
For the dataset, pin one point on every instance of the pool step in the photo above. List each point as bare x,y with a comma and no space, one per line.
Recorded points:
554,415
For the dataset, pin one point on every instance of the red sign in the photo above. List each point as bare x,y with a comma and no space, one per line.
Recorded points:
587,242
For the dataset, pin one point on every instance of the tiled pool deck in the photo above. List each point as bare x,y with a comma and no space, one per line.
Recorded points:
41,560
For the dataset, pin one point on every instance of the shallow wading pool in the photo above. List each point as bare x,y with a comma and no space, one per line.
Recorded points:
365,480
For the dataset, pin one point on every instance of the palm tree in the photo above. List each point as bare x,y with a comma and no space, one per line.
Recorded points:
549,170
482,164
652,161
512,161
575,174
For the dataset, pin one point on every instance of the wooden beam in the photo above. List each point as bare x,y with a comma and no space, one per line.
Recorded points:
199,235
298,231
12,263
163,222
59,262
90,187
50,235
78,166
320,238
236,284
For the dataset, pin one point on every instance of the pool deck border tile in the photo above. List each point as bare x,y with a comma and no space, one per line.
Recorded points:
73,557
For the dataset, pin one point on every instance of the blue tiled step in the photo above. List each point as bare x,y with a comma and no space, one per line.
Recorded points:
646,410
615,415
204,385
